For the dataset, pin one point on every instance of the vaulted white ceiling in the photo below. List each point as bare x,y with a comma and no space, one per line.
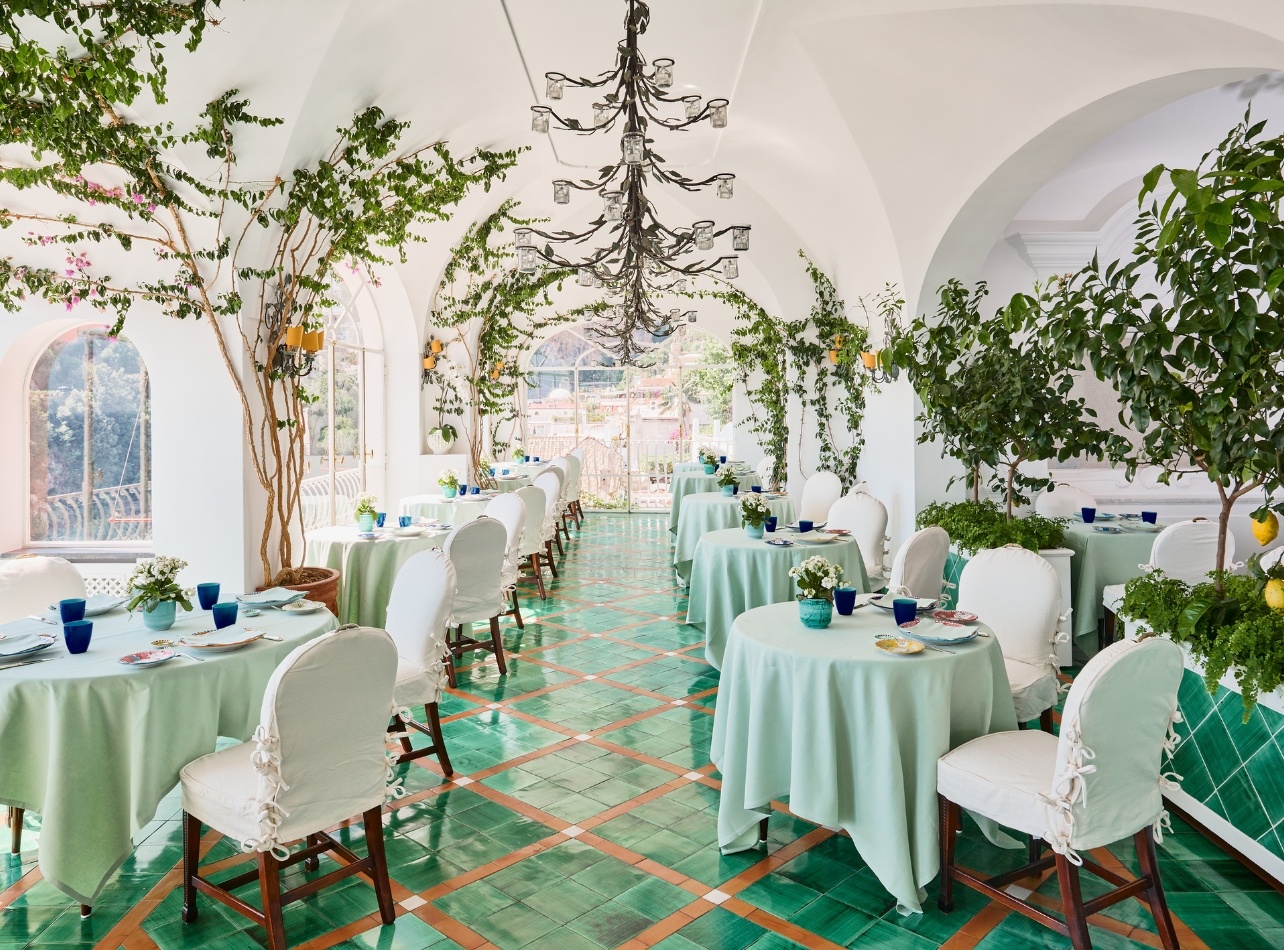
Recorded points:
894,140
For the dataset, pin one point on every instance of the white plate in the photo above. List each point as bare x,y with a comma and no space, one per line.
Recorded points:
411,532
303,607
220,641
273,597
932,631
99,604
1143,526
23,645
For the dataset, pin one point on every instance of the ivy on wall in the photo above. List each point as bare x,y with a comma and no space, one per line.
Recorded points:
495,312
817,359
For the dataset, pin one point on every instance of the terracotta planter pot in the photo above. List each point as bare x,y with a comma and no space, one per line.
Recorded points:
320,584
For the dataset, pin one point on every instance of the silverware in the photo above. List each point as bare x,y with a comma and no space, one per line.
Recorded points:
51,623
272,637
188,656
43,659
928,646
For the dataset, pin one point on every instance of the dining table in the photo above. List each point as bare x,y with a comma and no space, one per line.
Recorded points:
713,511
1103,558
732,572
437,507
93,745
697,483
850,734
367,566
510,482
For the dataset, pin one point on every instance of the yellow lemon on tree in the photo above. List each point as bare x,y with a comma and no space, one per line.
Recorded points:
1275,594
1266,529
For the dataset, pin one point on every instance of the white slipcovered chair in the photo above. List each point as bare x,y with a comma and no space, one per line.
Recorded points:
317,759
1018,595
866,518
1100,781
1186,551
419,608
551,484
818,496
764,470
510,510
918,569
533,536
576,460
1063,501
30,583
478,550
564,465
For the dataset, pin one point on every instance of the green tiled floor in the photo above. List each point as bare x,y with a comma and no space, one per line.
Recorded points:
607,707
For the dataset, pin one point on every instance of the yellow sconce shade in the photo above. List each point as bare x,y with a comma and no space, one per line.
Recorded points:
293,335
435,346
313,340
430,362
833,357
870,359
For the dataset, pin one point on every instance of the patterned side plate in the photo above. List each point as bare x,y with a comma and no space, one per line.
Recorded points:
145,658
899,646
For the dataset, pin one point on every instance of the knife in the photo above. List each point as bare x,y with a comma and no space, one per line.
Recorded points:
10,666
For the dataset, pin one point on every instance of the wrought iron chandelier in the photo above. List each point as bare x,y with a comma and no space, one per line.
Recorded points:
644,257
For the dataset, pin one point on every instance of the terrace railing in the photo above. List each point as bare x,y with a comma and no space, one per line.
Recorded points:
114,514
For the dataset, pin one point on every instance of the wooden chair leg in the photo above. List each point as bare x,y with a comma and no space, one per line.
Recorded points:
313,863
560,550
15,830
449,663
433,716
1108,636
1148,861
949,827
1045,722
1034,848
548,553
270,892
762,830
517,611
497,643
1072,904
539,575
191,862
373,820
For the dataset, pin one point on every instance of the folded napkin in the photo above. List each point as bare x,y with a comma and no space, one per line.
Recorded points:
21,636
272,597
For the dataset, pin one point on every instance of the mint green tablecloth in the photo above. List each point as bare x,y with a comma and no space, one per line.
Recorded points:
439,508
367,568
693,483
680,467
732,573
92,745
714,511
848,733
510,483
1101,560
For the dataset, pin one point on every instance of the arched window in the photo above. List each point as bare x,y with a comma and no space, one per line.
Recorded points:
338,421
635,423
89,429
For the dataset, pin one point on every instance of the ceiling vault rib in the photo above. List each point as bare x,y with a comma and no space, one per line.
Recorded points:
526,68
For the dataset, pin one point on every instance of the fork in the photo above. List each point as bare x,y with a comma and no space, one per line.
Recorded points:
42,619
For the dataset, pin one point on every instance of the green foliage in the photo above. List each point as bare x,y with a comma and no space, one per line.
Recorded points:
496,311
1196,365
1227,625
778,357
727,477
978,525
139,190
994,394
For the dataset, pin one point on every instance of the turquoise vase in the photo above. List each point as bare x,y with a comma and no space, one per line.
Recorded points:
161,617
710,468
449,492
754,530
365,523
728,489
816,614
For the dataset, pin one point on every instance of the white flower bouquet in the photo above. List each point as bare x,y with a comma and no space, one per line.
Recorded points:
154,581
449,478
707,456
754,509
816,578
519,454
367,504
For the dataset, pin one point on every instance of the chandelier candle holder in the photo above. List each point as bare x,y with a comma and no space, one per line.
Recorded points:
637,256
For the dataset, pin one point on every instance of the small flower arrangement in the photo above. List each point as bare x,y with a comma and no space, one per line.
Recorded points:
367,504
153,582
816,578
754,509
707,456
727,477
519,454
449,478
